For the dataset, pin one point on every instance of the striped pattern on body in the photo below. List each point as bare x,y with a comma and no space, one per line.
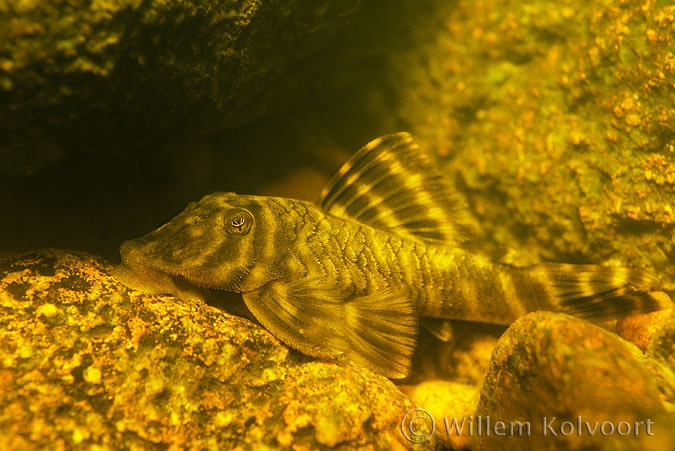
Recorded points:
347,278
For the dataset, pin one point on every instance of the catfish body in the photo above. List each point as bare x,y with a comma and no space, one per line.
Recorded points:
349,276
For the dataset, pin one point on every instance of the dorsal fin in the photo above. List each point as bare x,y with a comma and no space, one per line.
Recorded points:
390,184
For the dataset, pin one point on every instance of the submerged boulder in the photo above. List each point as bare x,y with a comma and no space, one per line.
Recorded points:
576,385
87,363
131,76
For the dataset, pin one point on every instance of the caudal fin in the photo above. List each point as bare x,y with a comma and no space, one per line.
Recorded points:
594,292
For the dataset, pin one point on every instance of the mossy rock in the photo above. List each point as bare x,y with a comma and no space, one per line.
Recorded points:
88,364
577,385
557,120
131,76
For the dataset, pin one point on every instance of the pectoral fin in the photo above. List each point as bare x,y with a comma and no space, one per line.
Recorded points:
377,331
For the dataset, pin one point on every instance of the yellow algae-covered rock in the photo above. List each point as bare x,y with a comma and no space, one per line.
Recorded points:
86,363
662,349
450,405
558,120
575,385
642,329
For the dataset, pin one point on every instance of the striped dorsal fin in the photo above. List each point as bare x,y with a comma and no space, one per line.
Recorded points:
390,184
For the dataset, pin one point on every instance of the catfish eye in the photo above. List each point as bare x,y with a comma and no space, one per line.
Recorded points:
238,221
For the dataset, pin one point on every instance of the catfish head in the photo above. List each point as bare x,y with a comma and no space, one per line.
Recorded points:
225,241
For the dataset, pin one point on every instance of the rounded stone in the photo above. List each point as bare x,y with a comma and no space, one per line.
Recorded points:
567,377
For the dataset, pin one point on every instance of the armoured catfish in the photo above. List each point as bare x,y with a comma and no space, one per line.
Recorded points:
351,276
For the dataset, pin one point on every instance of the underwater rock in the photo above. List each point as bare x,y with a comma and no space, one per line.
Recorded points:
558,120
577,385
129,76
654,334
87,362
662,346
641,329
443,399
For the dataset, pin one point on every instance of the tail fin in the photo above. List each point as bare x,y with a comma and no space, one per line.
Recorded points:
594,292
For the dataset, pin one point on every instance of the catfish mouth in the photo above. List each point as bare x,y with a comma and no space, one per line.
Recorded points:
156,281
137,272
140,271
148,279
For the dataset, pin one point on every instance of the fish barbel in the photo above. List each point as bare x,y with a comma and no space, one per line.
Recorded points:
351,276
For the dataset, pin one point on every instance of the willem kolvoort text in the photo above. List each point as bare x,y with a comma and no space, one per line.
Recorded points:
550,426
